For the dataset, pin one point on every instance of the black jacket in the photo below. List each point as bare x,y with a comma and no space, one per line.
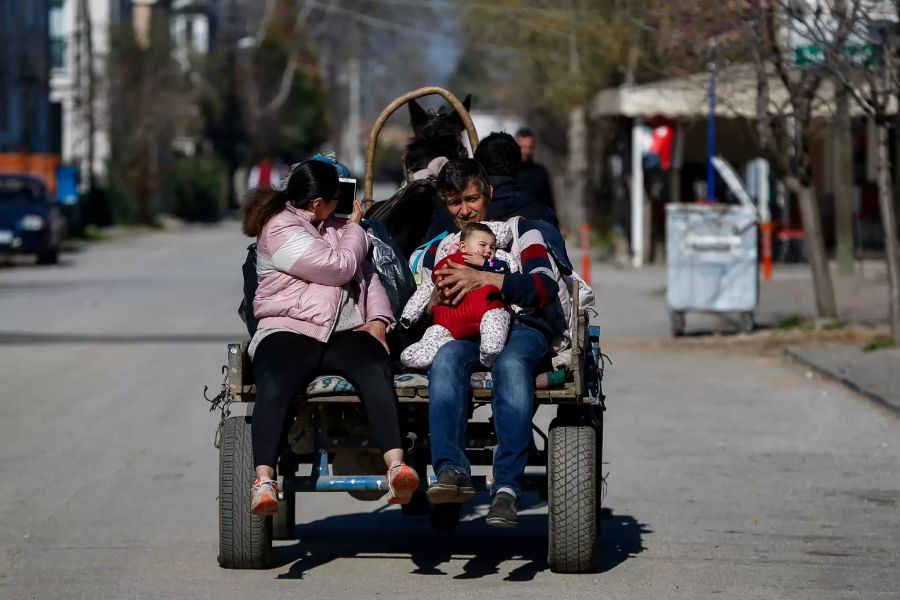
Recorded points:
536,182
508,201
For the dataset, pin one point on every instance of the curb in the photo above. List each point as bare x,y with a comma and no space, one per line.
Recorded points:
842,379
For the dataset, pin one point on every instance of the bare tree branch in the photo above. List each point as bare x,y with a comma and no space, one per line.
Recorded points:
290,69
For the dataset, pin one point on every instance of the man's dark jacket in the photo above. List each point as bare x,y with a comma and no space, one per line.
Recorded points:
535,181
508,201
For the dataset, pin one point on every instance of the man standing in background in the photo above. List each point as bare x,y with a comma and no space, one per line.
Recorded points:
533,176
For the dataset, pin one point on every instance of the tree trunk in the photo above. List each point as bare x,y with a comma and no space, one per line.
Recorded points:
573,206
91,93
842,165
889,222
826,307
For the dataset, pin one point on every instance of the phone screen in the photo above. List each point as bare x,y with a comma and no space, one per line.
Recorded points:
348,195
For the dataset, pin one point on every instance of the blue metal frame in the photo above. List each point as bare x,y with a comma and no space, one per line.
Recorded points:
321,479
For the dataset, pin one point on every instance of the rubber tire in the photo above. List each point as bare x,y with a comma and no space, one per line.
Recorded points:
598,469
748,324
284,520
676,318
245,540
48,257
573,499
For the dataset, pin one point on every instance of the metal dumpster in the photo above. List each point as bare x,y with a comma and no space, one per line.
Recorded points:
711,253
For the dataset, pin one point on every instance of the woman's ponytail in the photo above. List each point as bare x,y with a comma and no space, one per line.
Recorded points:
260,206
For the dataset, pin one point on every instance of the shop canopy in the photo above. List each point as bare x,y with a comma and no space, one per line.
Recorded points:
688,97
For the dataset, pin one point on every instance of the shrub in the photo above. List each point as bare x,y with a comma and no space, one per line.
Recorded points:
195,189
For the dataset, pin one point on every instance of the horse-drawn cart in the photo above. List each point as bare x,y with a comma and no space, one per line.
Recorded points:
328,449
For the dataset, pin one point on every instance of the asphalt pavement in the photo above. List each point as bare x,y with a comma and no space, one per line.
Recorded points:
731,473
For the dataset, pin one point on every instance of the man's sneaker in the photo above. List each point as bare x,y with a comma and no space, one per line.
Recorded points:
402,482
264,497
451,486
503,510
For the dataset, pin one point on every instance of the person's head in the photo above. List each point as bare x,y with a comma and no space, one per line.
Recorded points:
525,139
500,155
478,239
311,185
464,189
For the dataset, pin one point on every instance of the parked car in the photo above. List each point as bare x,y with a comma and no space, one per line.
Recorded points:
31,222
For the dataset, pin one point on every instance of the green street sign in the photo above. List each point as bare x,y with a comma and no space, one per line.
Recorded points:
813,56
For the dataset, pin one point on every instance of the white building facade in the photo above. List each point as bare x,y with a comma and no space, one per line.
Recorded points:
70,79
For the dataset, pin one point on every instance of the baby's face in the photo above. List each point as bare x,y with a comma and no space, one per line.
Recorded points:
480,244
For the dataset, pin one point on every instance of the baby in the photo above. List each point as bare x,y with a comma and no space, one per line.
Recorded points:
481,312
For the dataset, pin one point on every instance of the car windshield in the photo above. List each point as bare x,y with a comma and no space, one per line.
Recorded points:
13,189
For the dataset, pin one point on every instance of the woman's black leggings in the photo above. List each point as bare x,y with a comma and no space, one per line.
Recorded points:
285,363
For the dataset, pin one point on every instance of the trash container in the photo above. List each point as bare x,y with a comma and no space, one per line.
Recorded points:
711,253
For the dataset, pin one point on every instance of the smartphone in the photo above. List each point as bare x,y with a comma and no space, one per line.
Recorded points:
348,197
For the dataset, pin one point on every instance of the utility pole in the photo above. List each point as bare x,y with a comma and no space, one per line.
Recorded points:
351,152
711,126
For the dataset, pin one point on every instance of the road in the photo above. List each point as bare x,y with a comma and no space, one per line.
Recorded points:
731,474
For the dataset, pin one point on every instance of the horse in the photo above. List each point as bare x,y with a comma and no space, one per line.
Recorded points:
407,214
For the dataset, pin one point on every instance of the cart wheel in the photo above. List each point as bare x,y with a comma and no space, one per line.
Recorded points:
418,506
677,319
245,540
573,499
748,324
284,520
600,490
445,517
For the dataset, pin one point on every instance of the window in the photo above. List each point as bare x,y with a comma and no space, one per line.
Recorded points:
57,35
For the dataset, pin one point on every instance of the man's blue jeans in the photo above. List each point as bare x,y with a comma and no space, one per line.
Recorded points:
450,392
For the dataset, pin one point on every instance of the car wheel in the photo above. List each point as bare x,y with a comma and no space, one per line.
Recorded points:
48,257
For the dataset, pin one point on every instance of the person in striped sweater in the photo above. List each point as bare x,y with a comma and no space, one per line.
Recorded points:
464,188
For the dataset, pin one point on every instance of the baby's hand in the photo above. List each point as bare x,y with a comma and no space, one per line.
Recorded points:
474,260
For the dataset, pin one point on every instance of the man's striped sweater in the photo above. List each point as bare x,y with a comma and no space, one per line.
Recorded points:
535,288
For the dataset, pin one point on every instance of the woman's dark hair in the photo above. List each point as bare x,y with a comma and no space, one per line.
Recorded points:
500,155
456,176
308,180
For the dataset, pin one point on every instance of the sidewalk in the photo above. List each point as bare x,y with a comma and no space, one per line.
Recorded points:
632,309
874,374
632,302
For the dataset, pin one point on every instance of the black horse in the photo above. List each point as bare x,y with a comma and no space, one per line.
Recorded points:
407,214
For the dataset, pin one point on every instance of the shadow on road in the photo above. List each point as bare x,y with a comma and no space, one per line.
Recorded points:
621,538
24,338
388,534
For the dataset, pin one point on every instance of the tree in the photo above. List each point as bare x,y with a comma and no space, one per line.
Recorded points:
150,102
551,57
867,67
260,92
785,129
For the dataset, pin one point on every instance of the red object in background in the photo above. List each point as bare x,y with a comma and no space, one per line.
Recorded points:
265,175
766,229
661,145
586,253
658,149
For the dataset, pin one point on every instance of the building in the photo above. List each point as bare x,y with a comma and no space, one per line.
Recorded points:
29,124
79,42
639,194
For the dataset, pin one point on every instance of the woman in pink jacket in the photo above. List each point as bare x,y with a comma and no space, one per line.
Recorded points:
321,309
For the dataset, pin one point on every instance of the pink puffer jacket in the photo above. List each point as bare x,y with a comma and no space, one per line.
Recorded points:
301,269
